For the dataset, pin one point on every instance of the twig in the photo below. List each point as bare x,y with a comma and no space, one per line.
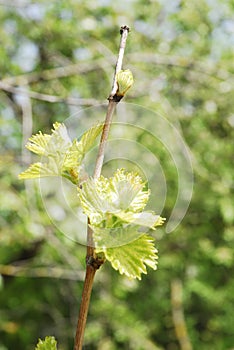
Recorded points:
178,315
112,103
124,34
53,73
92,262
49,98
24,101
202,68
39,272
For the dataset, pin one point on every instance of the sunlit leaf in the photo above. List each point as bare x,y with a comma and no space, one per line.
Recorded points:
60,156
37,170
145,218
89,137
129,189
122,192
37,143
122,196
114,207
115,236
46,145
95,205
131,259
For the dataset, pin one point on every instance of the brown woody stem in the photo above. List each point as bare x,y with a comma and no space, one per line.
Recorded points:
93,262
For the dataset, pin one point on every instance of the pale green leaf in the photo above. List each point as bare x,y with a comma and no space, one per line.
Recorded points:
89,137
129,190
37,143
60,156
46,145
37,170
132,258
145,218
72,157
122,192
124,81
93,204
48,344
115,236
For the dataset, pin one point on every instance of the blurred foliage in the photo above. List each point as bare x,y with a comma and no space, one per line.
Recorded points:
181,55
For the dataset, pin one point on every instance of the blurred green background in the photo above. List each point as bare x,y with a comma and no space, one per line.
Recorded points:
55,59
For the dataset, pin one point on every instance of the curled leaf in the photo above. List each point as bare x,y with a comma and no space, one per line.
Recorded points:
124,81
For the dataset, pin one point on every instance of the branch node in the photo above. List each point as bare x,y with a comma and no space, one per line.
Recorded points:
94,262
115,98
124,28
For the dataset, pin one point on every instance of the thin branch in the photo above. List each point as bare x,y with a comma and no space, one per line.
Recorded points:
124,34
54,73
178,315
112,103
105,132
49,98
203,68
92,262
24,101
41,272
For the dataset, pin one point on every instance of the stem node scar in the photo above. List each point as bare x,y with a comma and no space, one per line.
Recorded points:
124,28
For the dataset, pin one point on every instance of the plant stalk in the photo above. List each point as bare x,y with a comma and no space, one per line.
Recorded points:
93,262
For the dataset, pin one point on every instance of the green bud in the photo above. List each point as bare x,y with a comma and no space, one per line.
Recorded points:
124,81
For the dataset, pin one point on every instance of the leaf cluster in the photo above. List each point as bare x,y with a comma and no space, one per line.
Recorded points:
113,206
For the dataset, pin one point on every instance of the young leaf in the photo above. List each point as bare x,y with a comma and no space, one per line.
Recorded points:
36,170
124,81
114,207
115,237
124,191
132,258
145,218
122,195
48,344
129,190
60,156
46,145
89,137
93,202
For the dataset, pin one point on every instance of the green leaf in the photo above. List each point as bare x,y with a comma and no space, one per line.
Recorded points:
116,236
123,192
124,81
46,145
48,344
89,137
114,207
60,156
128,188
38,143
132,258
145,218
122,195
94,204
36,170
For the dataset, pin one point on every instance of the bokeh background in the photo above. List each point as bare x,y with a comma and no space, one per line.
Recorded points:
57,58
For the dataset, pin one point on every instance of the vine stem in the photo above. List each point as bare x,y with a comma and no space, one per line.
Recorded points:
92,261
